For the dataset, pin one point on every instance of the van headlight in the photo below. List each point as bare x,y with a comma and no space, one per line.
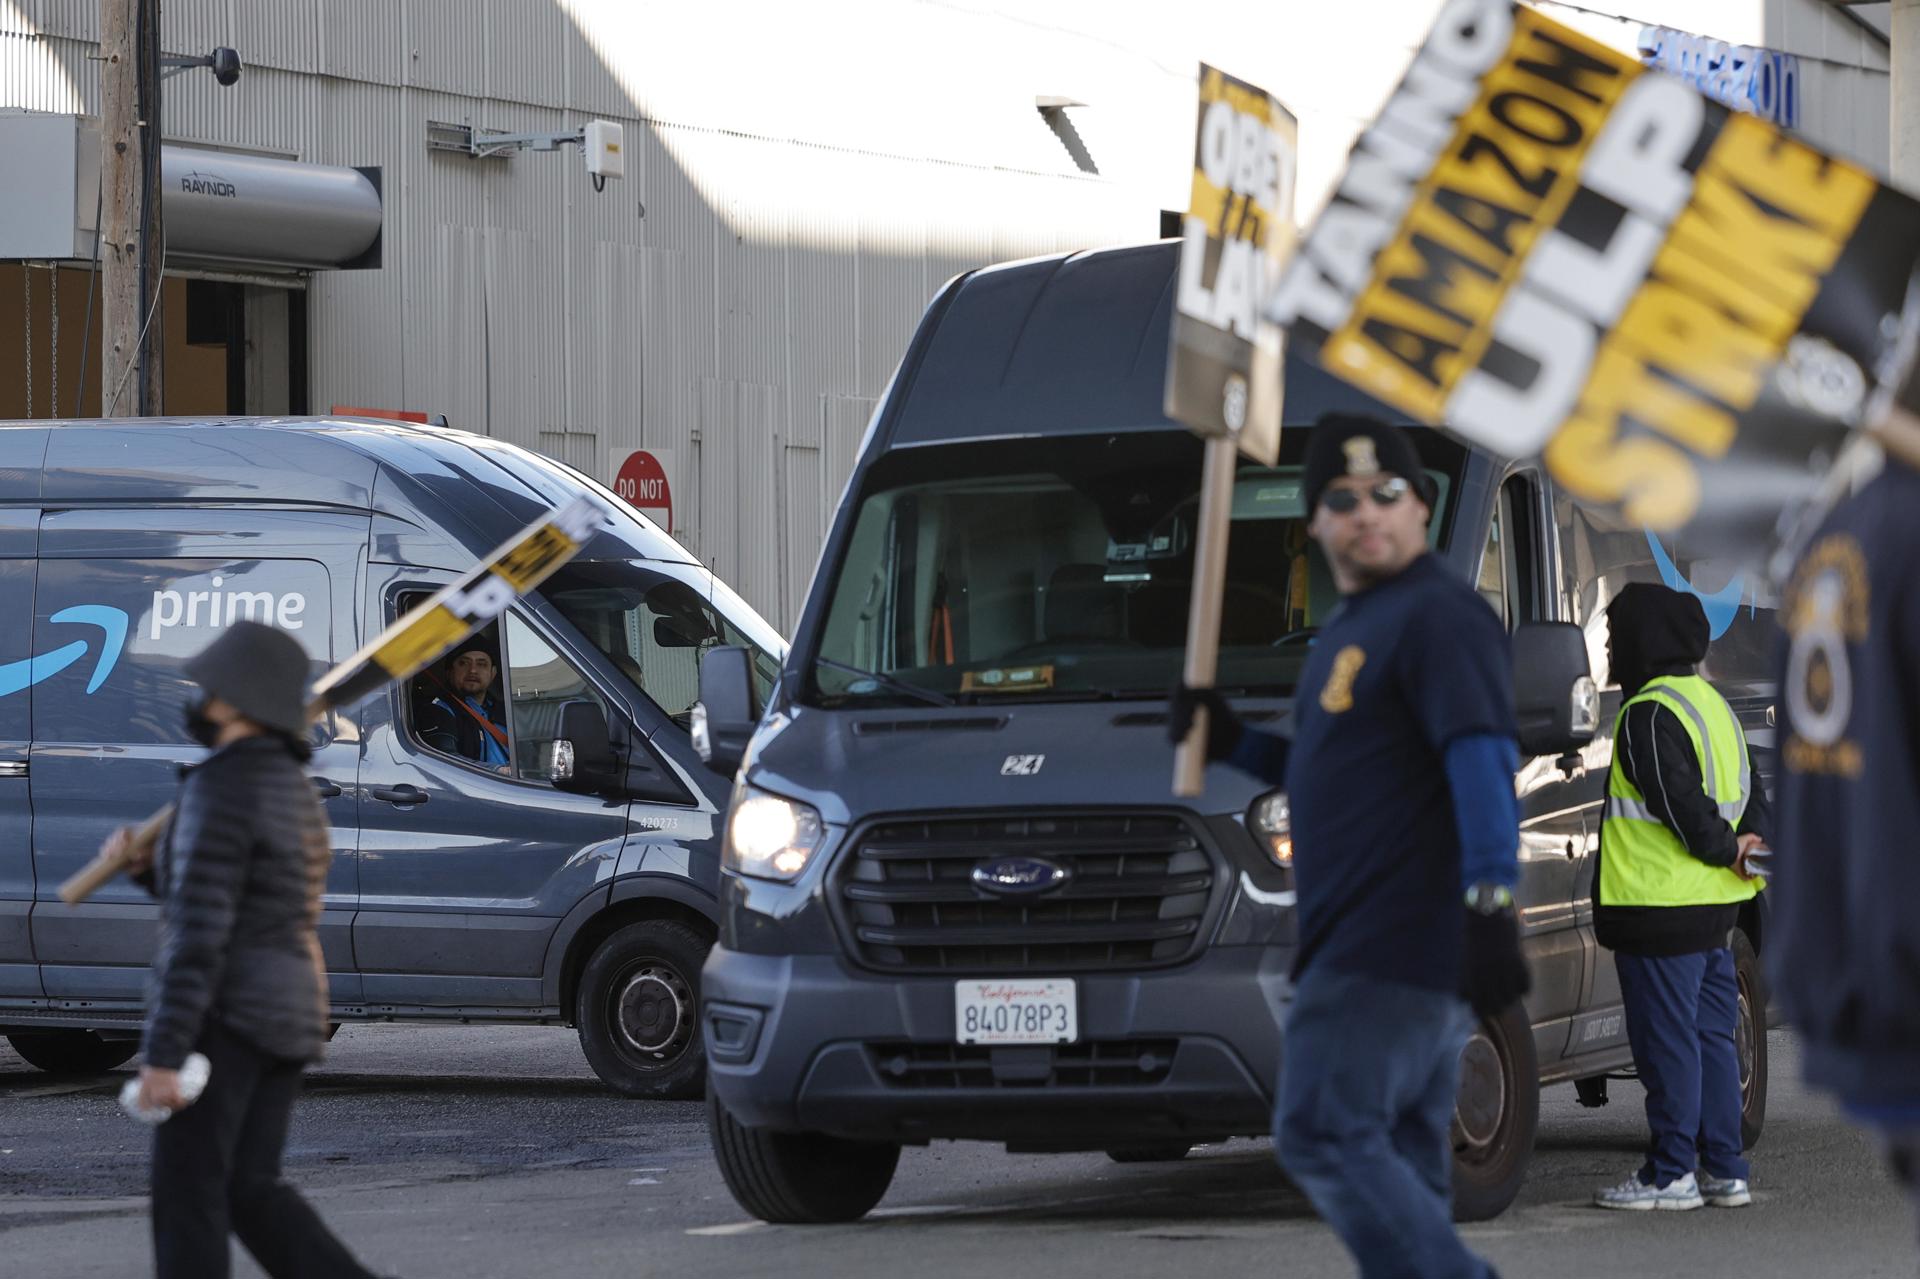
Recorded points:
1271,822
769,837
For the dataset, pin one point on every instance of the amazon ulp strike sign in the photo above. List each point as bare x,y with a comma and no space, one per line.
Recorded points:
1548,249
1223,371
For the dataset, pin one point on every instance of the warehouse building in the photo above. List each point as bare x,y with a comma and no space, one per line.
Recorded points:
798,181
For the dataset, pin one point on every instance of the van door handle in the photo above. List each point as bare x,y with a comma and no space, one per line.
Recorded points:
326,789
402,795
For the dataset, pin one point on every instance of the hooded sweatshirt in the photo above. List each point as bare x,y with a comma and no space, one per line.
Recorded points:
1654,631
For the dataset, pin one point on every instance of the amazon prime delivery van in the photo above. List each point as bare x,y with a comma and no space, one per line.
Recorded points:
479,874
961,900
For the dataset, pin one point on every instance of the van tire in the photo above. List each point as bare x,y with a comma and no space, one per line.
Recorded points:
1750,1039
638,1010
1495,1115
72,1052
799,1178
1172,1152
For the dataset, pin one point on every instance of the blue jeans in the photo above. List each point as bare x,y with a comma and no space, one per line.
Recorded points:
1681,1014
1367,1085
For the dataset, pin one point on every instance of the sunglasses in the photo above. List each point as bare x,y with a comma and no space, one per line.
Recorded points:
1347,501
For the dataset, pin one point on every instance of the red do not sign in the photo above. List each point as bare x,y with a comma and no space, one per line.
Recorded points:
641,480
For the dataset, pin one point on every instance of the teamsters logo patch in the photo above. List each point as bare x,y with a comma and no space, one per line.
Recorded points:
1362,458
1826,610
1337,696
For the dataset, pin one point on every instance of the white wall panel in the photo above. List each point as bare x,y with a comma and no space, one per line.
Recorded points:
193,27
42,74
715,478
806,518
76,19
755,503
845,418
276,33
526,51
891,271
446,44
364,40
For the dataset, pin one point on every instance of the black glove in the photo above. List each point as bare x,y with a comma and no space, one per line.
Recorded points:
1495,974
1224,729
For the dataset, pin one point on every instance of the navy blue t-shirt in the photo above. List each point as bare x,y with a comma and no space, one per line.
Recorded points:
1398,672
1844,956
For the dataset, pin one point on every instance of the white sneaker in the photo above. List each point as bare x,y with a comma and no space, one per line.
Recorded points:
1633,1194
1725,1192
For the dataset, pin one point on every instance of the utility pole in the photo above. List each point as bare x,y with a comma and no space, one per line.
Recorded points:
130,239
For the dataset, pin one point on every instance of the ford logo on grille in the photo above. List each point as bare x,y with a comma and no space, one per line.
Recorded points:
1019,876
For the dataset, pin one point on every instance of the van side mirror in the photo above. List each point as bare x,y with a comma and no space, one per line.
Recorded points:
1556,703
725,716
582,759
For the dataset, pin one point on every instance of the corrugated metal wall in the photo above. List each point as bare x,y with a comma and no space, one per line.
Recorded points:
1845,88
740,299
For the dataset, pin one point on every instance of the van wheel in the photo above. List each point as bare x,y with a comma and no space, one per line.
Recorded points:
72,1052
1494,1115
799,1178
1750,1040
1166,1154
638,1010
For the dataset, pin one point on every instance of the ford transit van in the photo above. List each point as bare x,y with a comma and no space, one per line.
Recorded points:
961,900
558,863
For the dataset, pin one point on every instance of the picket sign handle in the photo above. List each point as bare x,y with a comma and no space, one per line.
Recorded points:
1204,607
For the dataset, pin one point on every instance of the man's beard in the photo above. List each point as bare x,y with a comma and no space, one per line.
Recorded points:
1364,576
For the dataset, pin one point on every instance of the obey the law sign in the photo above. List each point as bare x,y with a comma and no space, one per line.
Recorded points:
1546,248
1223,364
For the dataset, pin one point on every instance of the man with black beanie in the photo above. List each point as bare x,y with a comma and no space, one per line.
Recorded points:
1400,775
239,975
1685,812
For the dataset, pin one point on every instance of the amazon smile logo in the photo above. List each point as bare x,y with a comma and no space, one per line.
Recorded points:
29,671
1720,606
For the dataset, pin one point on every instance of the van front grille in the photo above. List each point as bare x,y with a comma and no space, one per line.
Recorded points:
1133,893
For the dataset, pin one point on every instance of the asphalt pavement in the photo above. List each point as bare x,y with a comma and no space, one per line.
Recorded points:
481,1151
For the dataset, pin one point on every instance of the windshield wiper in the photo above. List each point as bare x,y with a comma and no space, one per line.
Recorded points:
888,682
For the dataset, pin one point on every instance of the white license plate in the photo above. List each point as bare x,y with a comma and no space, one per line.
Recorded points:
1007,1011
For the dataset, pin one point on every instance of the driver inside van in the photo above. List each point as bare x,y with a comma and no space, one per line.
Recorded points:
464,717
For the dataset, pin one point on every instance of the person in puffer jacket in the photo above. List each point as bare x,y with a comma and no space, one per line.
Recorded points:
239,975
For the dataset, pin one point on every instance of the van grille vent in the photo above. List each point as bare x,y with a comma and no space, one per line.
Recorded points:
1136,893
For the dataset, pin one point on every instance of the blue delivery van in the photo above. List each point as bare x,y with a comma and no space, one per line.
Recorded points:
519,883
960,898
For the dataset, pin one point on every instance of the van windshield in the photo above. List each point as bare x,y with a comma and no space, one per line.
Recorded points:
654,620
1060,568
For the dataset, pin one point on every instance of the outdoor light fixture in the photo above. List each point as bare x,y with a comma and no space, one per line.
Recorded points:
224,63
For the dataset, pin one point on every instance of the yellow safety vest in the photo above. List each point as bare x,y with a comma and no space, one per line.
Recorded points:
1643,863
